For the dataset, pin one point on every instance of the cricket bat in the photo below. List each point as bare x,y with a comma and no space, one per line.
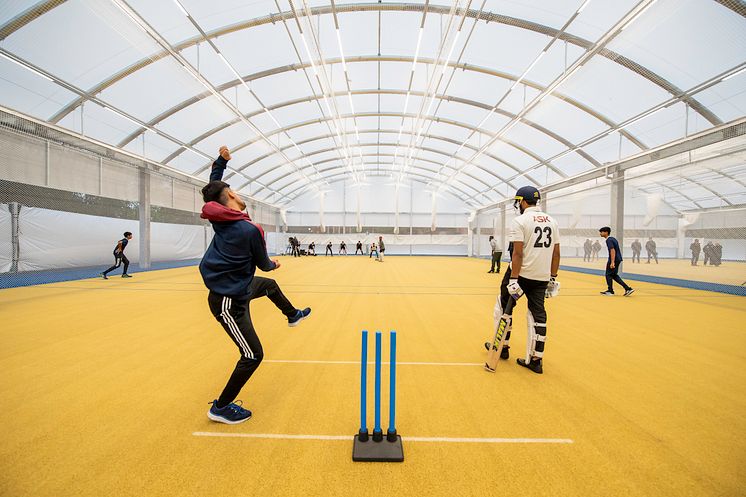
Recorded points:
493,355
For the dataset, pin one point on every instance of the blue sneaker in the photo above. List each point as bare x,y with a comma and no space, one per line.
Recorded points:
299,316
231,414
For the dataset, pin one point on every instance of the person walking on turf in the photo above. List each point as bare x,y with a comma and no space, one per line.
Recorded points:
119,257
329,250
696,248
535,259
496,256
227,270
613,263
652,250
587,249
381,249
636,249
359,247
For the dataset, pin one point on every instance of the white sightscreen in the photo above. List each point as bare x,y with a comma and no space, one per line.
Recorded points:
6,246
55,239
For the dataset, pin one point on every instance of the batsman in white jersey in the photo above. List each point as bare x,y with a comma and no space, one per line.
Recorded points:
533,268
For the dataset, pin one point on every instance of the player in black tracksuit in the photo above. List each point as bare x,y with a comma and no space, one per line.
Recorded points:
119,257
227,269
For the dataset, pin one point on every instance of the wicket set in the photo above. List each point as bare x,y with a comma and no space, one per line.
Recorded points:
377,448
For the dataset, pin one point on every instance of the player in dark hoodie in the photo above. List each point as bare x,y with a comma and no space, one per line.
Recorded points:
227,269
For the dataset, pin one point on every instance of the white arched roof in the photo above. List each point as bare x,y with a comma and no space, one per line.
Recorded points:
468,96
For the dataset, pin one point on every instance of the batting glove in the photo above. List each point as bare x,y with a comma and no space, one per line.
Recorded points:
514,289
553,288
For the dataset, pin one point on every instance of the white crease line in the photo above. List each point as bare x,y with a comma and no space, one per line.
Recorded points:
348,438
371,362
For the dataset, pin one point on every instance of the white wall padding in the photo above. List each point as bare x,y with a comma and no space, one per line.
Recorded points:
176,242
54,239
6,239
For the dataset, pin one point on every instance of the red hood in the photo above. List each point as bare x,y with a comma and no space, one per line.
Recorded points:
213,211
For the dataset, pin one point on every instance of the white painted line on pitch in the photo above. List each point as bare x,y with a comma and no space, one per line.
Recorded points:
491,440
272,435
406,439
371,363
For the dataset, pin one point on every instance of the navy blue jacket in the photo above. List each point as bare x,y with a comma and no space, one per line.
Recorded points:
236,250
612,243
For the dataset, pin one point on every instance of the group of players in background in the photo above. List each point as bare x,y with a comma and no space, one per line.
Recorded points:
294,248
712,252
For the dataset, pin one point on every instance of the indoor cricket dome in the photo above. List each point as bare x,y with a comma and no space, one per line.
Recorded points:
357,248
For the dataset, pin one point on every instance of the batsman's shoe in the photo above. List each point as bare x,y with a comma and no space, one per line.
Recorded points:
299,316
231,414
629,291
608,293
103,276
504,353
126,276
534,365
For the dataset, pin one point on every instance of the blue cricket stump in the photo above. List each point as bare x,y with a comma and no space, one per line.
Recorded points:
377,448
363,433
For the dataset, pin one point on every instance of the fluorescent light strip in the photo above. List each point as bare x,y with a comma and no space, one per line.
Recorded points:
341,52
637,15
585,4
417,50
445,64
181,8
572,73
139,125
509,127
518,81
28,68
308,52
734,74
205,156
643,116
563,154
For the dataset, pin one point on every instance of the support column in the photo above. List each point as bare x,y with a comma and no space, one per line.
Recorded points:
411,213
15,210
101,176
469,239
344,207
616,199
479,237
47,166
681,239
144,215
503,234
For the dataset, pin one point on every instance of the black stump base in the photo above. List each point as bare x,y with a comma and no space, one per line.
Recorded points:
389,448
